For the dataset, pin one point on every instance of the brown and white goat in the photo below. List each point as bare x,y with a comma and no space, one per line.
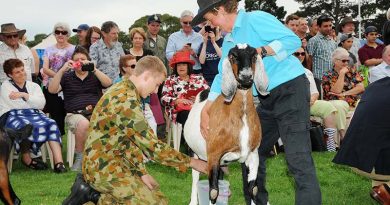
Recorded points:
234,126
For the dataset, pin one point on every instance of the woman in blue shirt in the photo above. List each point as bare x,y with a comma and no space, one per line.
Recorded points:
285,111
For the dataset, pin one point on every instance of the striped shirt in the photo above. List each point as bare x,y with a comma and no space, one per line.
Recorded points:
320,47
78,94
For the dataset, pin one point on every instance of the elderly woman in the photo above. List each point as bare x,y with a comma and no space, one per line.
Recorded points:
137,37
93,35
332,112
21,102
53,59
342,82
181,87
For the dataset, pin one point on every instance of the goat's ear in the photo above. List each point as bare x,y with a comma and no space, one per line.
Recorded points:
229,83
260,79
233,55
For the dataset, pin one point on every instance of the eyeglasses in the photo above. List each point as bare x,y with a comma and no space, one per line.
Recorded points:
57,32
12,36
299,54
187,22
131,66
344,60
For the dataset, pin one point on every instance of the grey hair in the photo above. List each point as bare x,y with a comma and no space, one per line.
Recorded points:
63,26
186,13
388,14
385,50
339,52
108,25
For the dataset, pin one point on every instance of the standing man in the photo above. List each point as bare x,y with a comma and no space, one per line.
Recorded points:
313,28
285,111
11,48
321,47
107,51
302,28
292,22
371,53
185,40
81,31
347,26
155,42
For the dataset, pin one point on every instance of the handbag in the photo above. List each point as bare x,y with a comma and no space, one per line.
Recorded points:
317,137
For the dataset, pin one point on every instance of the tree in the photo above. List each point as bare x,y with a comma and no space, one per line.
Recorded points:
267,6
169,24
124,39
37,39
372,11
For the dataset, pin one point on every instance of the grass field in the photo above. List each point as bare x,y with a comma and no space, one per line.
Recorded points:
339,185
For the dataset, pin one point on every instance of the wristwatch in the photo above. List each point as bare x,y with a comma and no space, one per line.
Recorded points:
263,52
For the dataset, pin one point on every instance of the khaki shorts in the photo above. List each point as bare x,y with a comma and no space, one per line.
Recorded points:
72,120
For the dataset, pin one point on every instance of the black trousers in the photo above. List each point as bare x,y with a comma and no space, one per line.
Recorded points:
285,113
55,107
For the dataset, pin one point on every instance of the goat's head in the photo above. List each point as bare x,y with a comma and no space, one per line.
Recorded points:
238,70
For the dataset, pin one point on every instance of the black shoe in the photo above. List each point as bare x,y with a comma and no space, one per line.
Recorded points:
81,193
21,133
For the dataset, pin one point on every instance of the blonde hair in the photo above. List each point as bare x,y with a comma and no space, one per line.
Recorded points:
152,64
138,30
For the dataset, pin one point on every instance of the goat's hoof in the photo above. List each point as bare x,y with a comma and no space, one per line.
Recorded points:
213,194
255,190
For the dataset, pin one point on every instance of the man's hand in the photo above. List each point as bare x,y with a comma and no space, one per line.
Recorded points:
150,182
199,165
16,95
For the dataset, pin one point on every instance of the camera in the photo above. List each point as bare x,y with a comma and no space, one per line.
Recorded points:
208,29
189,44
88,67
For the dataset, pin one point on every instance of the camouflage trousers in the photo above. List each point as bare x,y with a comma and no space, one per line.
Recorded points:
120,186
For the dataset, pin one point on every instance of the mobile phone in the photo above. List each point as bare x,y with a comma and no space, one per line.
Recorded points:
208,29
88,67
189,44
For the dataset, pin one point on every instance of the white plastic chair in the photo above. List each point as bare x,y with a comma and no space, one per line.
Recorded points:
174,133
71,144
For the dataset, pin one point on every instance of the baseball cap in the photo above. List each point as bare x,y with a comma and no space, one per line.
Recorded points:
370,29
81,27
154,18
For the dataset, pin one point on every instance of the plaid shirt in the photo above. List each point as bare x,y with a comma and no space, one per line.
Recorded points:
321,48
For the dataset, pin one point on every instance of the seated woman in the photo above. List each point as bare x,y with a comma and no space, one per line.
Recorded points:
21,103
332,112
343,82
181,87
82,87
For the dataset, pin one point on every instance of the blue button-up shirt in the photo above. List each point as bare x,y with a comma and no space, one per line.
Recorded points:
260,29
177,40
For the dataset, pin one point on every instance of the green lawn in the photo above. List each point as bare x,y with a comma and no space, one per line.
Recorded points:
338,184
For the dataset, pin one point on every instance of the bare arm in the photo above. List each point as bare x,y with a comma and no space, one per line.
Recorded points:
339,85
373,61
46,69
359,88
103,78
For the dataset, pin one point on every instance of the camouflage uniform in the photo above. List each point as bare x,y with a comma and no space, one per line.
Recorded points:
158,47
118,137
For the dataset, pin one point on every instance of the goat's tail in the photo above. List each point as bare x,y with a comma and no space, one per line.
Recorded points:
202,96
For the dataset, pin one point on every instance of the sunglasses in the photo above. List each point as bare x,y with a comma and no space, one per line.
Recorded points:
131,66
344,60
12,36
299,54
187,22
57,32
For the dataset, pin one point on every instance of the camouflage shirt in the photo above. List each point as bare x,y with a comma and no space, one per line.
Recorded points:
119,135
158,47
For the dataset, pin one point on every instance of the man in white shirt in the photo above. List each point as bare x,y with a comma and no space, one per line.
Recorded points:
11,48
382,70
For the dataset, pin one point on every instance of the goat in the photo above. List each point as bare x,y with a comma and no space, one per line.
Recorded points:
7,194
234,126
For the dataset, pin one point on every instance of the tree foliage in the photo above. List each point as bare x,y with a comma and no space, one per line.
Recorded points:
169,24
37,39
267,6
372,11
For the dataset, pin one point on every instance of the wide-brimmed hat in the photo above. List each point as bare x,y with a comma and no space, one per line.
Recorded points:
181,57
204,7
9,28
346,20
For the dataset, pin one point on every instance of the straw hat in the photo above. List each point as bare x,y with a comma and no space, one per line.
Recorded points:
9,28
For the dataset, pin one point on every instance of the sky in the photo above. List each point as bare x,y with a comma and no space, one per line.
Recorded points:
40,16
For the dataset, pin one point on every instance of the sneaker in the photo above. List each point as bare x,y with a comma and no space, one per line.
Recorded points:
77,165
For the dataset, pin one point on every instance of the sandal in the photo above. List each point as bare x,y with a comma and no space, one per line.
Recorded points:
59,168
36,164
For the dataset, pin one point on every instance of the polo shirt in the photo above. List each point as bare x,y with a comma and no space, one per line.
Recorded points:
366,52
78,93
258,29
